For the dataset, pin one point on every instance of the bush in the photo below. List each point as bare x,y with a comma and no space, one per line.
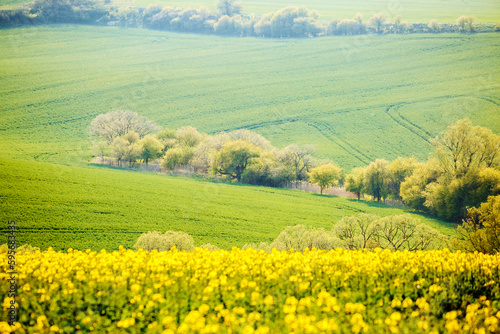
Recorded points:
299,238
210,247
164,242
480,231
22,249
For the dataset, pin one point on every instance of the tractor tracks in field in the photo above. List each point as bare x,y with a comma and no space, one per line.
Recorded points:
406,123
326,130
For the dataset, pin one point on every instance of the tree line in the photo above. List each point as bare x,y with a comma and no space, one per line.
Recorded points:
291,21
462,172
241,155
459,182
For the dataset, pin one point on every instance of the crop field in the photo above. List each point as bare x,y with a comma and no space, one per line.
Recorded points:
426,10
355,98
255,292
96,208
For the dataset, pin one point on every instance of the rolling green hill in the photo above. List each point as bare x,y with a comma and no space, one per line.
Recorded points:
424,11
354,98
67,206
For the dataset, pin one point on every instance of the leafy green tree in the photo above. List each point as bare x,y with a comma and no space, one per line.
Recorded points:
464,22
299,159
225,26
413,189
189,136
150,148
325,176
228,7
101,149
355,181
173,158
377,21
399,170
464,147
377,179
480,231
434,26
234,158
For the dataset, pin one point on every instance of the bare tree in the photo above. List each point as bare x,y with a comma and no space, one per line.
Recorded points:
118,123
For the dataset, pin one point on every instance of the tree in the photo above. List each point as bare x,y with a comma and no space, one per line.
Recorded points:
464,147
434,26
350,27
355,182
228,7
299,159
377,179
233,158
466,21
177,156
325,176
150,148
118,123
101,149
189,136
204,153
173,158
123,150
377,21
357,232
399,170
413,189
225,26
359,18
405,232
305,27
480,231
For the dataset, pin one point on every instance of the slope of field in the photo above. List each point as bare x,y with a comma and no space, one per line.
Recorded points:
65,206
355,98
423,11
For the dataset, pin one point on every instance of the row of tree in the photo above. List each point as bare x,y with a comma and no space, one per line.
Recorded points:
227,20
241,155
462,172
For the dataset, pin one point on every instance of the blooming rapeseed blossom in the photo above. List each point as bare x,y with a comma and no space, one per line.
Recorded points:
249,291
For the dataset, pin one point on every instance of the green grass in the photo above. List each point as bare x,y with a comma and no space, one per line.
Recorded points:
67,206
356,99
421,11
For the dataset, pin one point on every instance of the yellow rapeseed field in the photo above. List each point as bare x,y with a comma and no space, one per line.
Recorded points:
249,291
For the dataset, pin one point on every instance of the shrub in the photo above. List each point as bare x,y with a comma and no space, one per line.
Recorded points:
209,247
480,231
164,242
22,249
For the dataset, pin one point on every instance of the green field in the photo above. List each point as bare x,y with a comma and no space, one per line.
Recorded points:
423,11
98,207
355,99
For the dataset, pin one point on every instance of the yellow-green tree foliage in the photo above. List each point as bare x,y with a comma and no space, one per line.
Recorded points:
325,175
355,181
481,229
234,157
463,172
377,179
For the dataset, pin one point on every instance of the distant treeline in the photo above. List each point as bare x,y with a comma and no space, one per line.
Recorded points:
227,20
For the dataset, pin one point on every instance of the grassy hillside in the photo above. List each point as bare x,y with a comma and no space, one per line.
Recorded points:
64,206
355,98
424,11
